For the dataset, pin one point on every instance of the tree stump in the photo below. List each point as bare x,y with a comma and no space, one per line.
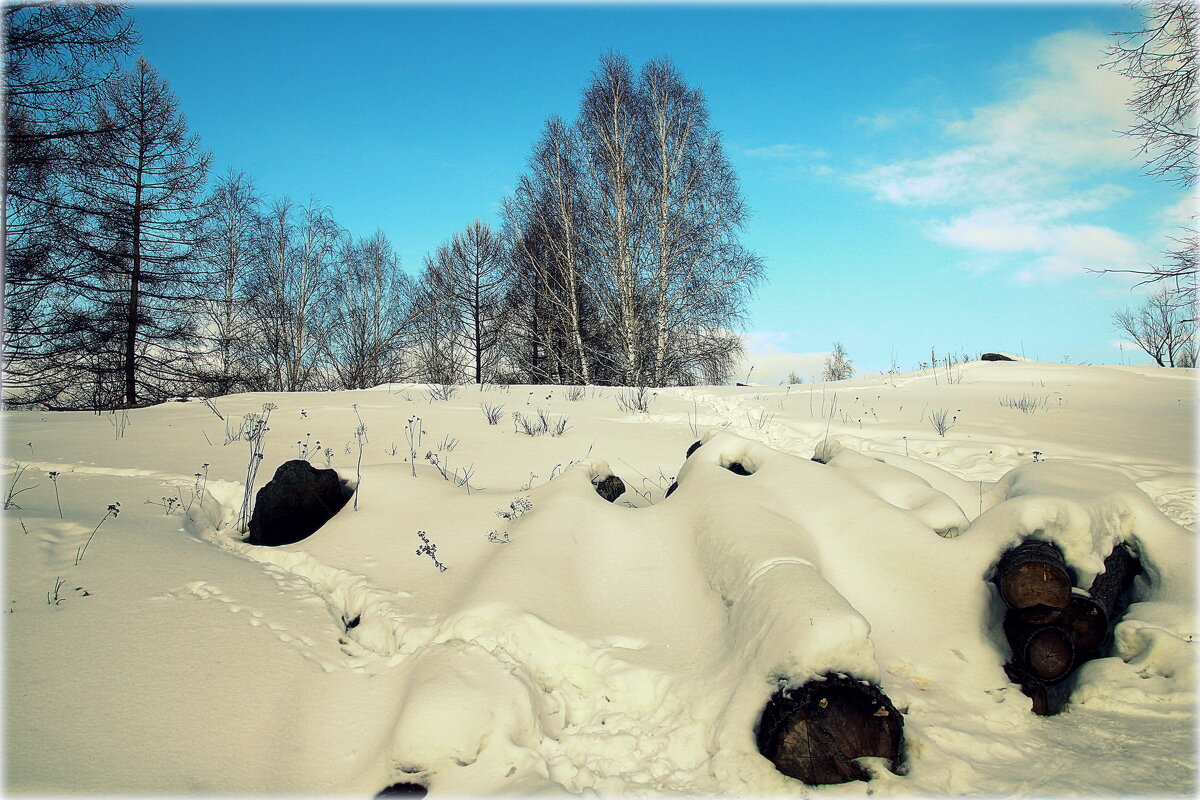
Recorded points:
813,733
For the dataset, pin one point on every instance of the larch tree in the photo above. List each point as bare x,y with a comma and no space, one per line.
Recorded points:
138,187
56,56
468,278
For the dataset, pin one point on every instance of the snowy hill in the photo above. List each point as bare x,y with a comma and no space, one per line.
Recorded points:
572,645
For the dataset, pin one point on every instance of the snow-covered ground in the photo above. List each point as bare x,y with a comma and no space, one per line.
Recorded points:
572,645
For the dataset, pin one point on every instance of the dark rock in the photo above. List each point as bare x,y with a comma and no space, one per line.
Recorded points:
405,789
610,488
670,489
995,357
295,503
737,469
813,733
695,446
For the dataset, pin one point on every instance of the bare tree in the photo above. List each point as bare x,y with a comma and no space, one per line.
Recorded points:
371,310
625,237
224,321
138,188
439,357
611,129
470,276
1161,61
699,275
291,291
546,220
838,366
1162,329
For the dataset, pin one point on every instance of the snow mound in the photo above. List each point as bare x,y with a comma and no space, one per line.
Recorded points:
512,632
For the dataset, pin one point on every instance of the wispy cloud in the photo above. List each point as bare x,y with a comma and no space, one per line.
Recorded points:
1057,125
1021,174
793,156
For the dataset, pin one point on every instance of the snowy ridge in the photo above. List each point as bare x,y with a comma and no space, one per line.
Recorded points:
574,645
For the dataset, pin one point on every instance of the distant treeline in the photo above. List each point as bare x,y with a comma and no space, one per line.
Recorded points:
132,276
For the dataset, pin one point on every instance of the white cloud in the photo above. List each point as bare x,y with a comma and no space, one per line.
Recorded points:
1021,175
771,356
1057,125
1039,230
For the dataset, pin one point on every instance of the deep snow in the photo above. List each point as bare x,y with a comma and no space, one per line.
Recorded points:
581,646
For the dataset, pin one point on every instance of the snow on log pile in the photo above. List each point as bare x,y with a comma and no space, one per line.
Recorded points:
521,633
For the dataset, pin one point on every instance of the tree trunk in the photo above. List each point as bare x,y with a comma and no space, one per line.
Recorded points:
131,318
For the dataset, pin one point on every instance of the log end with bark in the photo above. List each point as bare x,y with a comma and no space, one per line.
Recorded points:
610,488
1033,574
815,733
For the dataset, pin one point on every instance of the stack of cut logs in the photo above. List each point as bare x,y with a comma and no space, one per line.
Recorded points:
1051,627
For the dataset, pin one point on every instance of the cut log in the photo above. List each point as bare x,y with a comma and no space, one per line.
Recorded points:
406,789
1086,623
1113,588
813,733
1048,698
1042,652
610,488
1033,574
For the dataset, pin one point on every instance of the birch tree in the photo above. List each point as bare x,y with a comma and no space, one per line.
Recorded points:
611,125
371,313
224,320
699,275
291,290
546,220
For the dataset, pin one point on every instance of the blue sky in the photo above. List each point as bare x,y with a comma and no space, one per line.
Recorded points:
925,176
